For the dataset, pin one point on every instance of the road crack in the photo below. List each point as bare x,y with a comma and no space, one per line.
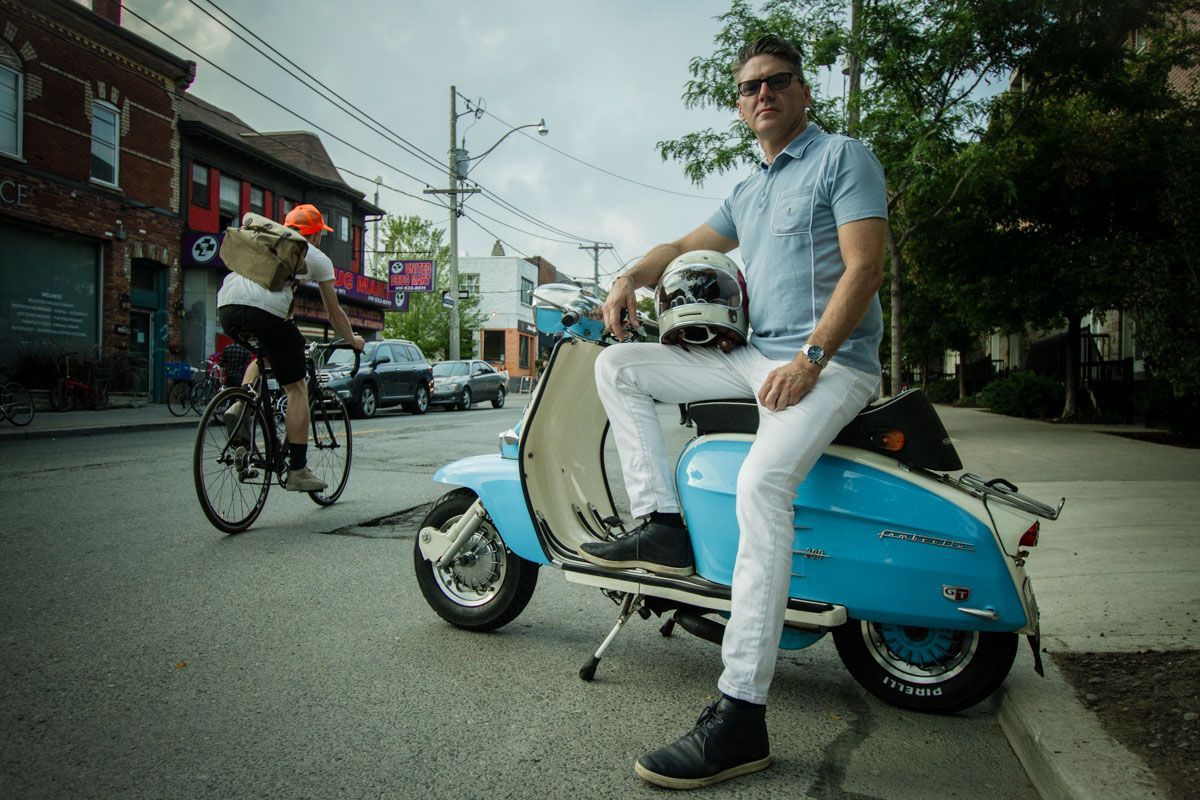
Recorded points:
396,525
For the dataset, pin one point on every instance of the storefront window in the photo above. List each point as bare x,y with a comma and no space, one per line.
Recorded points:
11,91
524,355
493,346
105,143
200,185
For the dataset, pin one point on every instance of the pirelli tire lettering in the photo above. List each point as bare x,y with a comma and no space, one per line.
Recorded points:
909,689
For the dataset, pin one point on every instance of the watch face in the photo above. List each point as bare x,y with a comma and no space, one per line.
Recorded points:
816,354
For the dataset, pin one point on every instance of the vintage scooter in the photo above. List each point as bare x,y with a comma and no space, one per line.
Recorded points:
918,575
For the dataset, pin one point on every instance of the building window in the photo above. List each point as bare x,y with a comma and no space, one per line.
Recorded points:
256,201
524,355
285,206
469,283
200,185
11,92
526,291
493,346
230,201
105,143
343,228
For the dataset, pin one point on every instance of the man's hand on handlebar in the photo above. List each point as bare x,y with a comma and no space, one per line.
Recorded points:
620,309
357,343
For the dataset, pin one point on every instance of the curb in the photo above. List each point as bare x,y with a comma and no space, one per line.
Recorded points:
1060,743
95,430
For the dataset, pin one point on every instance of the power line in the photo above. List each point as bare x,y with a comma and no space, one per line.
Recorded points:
274,101
234,120
602,169
379,128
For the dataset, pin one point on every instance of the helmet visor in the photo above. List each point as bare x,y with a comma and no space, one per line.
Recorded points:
698,284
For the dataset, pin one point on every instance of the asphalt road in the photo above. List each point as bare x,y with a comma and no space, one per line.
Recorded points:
147,655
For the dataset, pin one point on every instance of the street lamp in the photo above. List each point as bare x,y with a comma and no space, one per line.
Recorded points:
459,166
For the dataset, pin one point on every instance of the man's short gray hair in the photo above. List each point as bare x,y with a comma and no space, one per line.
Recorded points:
770,45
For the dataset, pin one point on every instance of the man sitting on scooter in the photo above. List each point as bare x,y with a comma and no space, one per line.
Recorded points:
811,224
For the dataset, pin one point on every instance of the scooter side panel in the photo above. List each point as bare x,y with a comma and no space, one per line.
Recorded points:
498,484
884,547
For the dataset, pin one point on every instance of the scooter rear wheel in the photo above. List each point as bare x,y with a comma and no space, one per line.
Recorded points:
934,671
487,586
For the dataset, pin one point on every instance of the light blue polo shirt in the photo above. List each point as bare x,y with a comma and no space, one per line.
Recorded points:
785,219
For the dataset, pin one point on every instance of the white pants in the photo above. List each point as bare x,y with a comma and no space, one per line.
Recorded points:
629,377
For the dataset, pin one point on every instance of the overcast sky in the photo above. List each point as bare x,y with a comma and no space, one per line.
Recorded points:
607,76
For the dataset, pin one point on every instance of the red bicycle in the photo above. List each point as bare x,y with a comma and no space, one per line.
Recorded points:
71,392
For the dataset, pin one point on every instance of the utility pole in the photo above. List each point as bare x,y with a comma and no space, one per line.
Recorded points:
378,222
596,247
454,190
854,64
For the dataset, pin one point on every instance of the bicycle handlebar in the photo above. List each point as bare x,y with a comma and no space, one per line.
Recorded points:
341,344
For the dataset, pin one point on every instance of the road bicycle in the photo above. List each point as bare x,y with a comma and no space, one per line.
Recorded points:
193,387
236,458
70,393
16,404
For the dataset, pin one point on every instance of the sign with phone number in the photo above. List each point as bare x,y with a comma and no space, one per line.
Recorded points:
411,276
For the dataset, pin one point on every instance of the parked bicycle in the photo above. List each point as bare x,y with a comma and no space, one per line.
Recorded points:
16,404
70,393
235,460
193,387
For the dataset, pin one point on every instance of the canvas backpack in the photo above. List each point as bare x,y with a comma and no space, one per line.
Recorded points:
264,251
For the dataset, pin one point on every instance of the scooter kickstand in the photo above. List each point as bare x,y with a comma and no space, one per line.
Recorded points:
629,607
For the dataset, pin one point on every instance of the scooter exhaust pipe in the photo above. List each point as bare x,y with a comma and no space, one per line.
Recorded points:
692,621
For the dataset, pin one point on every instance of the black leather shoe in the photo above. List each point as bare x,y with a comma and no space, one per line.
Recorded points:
659,548
727,742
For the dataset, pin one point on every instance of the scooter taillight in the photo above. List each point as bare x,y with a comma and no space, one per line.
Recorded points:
1030,537
892,441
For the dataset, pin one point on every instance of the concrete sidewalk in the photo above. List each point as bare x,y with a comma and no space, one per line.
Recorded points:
1118,571
55,424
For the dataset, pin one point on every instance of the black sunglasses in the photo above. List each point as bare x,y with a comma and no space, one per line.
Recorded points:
776,83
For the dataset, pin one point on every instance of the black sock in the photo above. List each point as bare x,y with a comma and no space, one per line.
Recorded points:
297,455
673,520
744,705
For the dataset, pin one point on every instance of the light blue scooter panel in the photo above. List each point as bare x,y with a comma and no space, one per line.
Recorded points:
843,552
498,484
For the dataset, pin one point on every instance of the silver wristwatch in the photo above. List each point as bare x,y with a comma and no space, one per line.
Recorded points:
816,354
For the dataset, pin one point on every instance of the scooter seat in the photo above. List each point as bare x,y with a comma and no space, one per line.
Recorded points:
924,444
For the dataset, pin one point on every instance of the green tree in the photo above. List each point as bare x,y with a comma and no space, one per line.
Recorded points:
427,321
1084,207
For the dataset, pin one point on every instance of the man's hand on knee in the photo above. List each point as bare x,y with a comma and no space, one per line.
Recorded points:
787,385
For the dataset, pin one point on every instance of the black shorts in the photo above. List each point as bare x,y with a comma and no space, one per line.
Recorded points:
278,339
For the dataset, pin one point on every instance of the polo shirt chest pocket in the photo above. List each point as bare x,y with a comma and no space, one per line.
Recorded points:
793,213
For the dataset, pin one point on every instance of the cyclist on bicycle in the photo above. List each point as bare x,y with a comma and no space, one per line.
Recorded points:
248,308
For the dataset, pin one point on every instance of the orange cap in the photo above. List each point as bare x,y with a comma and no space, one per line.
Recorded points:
306,219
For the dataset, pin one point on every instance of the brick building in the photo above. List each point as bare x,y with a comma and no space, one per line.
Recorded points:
89,187
229,169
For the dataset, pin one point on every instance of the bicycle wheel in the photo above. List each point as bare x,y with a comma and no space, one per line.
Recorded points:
232,475
100,397
179,399
60,399
331,445
18,404
202,393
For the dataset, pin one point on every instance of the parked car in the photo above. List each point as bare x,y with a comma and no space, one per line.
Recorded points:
463,383
392,372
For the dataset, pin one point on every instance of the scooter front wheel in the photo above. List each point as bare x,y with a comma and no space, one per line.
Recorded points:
931,670
486,586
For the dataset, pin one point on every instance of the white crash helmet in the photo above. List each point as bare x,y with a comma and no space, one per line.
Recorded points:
701,300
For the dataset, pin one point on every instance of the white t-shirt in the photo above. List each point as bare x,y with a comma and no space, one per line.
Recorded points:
238,290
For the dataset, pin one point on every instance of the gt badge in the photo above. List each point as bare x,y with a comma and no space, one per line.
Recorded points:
956,594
